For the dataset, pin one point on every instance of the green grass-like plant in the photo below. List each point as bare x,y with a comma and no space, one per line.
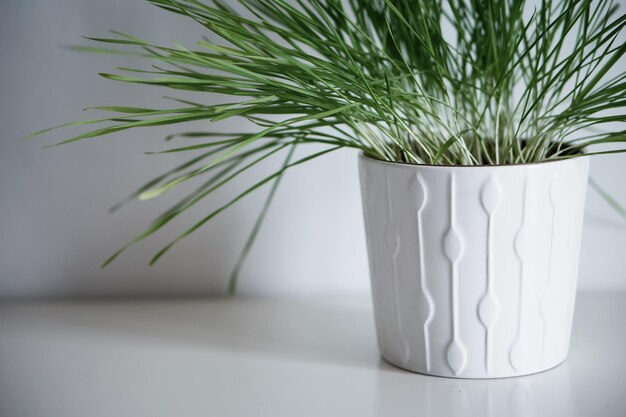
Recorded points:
456,82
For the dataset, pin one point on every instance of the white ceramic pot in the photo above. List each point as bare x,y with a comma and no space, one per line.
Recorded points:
473,269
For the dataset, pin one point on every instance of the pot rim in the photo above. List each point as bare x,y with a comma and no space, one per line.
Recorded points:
570,158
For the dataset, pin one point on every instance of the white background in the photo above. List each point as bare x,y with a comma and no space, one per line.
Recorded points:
54,226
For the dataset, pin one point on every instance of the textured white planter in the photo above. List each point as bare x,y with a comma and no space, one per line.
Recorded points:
474,269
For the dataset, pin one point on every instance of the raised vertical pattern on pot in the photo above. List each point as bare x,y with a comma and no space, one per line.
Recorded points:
369,187
426,307
369,193
520,247
542,302
393,240
489,306
453,250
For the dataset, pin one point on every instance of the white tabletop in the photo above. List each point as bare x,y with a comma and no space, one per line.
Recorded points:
296,358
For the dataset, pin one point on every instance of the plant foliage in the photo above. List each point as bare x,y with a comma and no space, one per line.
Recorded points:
456,82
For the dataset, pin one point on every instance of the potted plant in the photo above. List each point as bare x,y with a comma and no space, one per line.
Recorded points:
474,120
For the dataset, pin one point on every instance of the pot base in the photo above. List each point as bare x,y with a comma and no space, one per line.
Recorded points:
466,376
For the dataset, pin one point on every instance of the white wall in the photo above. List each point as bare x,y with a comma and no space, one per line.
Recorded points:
54,225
